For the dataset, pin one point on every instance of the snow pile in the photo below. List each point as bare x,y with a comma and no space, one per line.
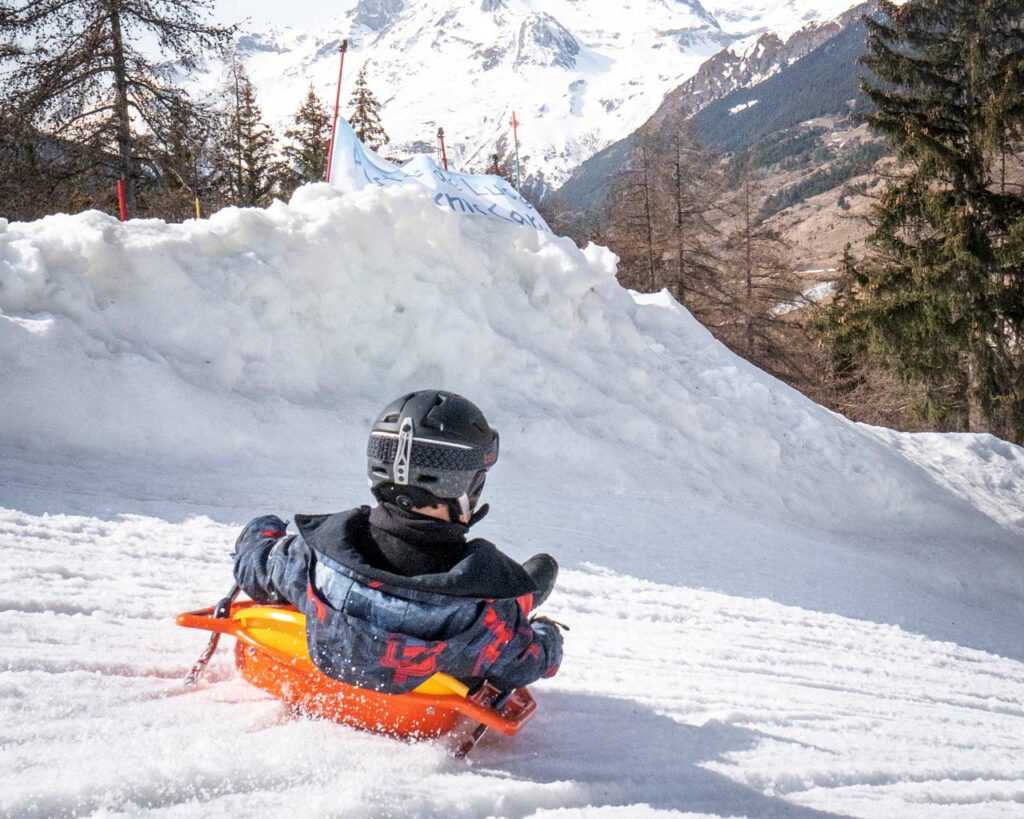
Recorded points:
279,333
982,469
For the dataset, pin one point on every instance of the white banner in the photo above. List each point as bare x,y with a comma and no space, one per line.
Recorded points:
354,167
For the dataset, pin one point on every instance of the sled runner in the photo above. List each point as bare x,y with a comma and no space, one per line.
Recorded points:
271,653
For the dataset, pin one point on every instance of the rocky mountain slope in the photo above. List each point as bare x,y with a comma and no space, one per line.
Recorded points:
719,98
786,108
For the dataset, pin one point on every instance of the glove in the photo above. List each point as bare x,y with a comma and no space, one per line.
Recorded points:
539,619
268,526
258,528
546,632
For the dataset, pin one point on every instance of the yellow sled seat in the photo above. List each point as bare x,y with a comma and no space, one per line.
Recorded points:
271,653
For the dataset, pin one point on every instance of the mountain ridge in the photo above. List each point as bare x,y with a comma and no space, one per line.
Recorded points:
727,76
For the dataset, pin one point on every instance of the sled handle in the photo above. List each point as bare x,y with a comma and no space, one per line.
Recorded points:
220,623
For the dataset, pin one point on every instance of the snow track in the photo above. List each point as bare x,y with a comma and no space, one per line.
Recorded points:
673,698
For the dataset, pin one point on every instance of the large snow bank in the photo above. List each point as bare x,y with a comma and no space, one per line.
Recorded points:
277,334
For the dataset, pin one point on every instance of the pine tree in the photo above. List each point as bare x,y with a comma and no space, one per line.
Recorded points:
305,152
674,223
659,216
365,119
503,167
75,71
247,161
24,188
940,300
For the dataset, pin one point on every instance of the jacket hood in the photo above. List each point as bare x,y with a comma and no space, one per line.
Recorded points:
484,571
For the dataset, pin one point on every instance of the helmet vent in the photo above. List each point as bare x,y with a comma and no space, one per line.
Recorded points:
391,419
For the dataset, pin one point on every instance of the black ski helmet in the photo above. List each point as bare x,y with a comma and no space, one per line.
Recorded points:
431,447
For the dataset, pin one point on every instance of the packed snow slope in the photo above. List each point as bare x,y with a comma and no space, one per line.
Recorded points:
774,611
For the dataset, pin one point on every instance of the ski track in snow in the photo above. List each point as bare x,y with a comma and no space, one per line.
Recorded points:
671,699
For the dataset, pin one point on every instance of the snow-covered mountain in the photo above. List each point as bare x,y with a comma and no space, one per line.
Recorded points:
578,74
814,72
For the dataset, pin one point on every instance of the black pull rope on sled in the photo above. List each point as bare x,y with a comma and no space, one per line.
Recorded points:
221,611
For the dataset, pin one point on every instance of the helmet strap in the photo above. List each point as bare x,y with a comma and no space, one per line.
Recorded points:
479,514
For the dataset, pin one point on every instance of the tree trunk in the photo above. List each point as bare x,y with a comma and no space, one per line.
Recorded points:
976,420
648,216
237,125
124,131
748,241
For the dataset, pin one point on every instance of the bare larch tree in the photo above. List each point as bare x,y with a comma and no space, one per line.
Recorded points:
78,71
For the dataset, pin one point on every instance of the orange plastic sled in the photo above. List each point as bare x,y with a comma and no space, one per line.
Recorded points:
271,653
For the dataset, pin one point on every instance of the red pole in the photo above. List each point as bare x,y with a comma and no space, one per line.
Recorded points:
122,204
444,153
337,103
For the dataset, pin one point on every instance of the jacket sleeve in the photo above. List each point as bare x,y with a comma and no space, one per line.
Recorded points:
535,651
271,566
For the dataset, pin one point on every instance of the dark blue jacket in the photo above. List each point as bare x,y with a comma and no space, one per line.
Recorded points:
375,629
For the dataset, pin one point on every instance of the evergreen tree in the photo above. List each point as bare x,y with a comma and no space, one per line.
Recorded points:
305,152
75,70
247,161
940,300
25,184
365,119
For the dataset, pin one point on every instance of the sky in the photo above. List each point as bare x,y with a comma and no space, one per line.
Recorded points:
298,13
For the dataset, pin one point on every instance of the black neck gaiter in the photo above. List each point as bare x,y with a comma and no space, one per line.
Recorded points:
414,544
